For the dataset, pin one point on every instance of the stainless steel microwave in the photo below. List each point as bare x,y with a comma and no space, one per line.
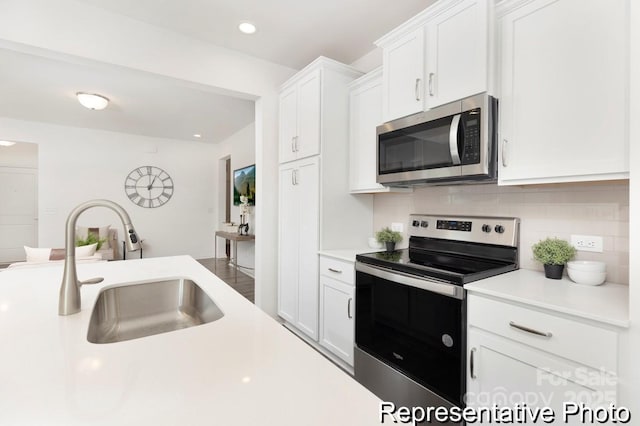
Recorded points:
452,143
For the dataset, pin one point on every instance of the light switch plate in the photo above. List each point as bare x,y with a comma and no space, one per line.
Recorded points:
587,243
398,227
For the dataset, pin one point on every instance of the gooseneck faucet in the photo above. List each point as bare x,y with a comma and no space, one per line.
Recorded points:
69,302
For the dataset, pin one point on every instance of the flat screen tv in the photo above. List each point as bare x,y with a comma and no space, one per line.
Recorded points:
244,183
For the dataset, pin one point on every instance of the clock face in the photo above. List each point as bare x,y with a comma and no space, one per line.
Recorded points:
148,186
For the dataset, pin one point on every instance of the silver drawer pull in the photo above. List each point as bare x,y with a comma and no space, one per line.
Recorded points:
349,309
337,271
472,364
530,330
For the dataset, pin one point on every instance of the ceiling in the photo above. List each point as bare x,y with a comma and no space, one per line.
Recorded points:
290,32
42,89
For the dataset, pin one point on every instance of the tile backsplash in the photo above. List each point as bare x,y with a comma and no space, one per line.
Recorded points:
594,208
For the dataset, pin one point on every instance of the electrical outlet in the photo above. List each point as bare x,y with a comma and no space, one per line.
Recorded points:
587,243
398,227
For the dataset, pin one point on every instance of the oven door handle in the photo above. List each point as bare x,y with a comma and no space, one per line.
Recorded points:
424,283
453,140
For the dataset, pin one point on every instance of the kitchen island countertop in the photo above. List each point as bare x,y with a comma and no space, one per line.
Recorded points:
244,369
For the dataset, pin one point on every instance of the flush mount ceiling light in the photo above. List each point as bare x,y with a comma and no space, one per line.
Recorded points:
197,135
92,100
247,27
7,143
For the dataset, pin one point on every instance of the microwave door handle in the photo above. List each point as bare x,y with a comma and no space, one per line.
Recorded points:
453,140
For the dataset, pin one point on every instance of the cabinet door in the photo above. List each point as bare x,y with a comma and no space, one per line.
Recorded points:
365,114
288,224
505,373
288,124
307,142
457,55
308,194
403,76
336,313
563,89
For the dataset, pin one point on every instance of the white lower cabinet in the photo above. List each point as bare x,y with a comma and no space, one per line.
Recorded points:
337,307
520,355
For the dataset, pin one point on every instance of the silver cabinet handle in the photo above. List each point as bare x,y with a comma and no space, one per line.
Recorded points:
504,152
293,177
431,75
349,308
530,330
337,271
472,368
417,89
295,143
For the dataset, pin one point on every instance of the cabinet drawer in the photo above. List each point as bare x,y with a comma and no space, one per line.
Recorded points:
338,269
577,341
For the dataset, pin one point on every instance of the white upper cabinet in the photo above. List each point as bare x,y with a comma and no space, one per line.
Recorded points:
439,56
300,117
457,53
563,84
403,71
365,114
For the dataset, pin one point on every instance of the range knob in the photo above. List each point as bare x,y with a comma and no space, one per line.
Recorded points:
486,228
424,224
415,223
499,229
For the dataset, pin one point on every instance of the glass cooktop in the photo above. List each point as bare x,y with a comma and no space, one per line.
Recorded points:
451,267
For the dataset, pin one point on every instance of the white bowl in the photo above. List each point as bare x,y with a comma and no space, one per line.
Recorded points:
586,277
587,265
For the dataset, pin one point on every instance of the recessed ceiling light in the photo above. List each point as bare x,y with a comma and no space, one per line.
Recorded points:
247,27
197,135
92,100
7,143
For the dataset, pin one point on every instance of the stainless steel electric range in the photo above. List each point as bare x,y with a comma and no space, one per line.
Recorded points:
411,308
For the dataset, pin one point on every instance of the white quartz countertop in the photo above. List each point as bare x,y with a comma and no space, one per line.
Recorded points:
348,254
607,303
244,369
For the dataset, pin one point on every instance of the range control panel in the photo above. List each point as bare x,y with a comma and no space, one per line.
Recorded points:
478,229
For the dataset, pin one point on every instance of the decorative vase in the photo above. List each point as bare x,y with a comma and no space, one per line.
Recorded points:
553,271
390,245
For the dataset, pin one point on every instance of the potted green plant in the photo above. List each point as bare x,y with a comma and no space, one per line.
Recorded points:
91,239
389,238
553,253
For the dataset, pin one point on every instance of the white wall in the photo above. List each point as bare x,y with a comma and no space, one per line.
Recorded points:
545,211
76,165
240,148
75,28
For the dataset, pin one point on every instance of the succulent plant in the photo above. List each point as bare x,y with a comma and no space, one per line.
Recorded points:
553,251
386,235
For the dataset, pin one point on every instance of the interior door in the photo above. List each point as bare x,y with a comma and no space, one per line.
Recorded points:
18,212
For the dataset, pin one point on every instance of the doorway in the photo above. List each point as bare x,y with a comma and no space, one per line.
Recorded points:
19,195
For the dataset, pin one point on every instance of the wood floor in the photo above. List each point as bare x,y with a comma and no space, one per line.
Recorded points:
245,284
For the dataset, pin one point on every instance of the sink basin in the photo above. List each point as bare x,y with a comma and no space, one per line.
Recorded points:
138,310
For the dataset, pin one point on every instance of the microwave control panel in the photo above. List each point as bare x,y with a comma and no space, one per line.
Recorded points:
471,138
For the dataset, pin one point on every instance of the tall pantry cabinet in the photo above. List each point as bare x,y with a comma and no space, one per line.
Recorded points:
316,210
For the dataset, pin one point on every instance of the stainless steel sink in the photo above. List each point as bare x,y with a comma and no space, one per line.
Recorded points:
138,310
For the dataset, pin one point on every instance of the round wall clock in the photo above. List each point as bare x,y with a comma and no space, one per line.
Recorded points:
148,186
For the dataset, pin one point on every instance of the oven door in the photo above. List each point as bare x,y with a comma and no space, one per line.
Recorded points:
415,326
